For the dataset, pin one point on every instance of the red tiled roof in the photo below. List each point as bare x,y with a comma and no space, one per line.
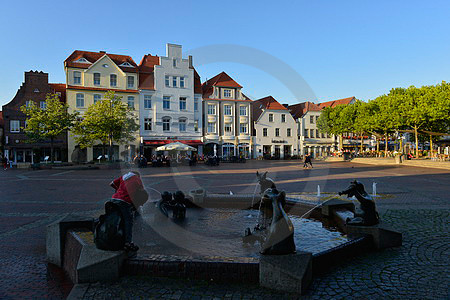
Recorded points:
335,103
92,57
298,110
270,103
239,100
222,80
59,88
148,63
76,87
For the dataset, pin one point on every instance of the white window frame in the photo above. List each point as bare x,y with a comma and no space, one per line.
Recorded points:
227,110
79,98
211,109
166,99
43,105
14,126
166,121
243,126
147,102
130,101
76,79
99,78
211,127
111,76
167,80
270,117
182,122
228,127
130,86
174,81
182,82
183,103
227,93
148,124
243,110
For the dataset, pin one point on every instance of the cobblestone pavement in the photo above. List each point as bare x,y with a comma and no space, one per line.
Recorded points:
418,206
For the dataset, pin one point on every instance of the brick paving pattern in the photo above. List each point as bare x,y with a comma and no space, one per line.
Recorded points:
418,206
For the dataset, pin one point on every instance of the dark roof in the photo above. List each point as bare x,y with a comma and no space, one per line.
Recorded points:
298,110
197,83
59,88
2,123
92,57
335,103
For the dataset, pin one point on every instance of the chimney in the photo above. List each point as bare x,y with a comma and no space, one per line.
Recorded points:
286,105
191,65
101,51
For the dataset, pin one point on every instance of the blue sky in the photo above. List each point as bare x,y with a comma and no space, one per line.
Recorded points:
340,48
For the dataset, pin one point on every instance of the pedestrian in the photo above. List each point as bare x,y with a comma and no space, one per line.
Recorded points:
130,195
5,163
307,161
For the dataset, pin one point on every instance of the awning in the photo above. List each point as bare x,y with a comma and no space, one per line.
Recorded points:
165,142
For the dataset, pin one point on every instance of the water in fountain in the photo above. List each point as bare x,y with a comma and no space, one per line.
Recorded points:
318,205
374,189
254,194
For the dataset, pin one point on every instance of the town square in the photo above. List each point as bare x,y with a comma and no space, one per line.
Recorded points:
291,150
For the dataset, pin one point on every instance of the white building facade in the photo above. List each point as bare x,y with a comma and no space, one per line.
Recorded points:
275,129
227,118
170,101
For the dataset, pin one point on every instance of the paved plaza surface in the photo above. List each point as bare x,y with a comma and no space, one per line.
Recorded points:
415,201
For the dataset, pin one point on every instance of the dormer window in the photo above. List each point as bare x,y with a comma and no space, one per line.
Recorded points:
126,64
36,90
82,60
227,93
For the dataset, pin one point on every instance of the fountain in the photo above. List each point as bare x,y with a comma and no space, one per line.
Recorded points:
366,214
374,189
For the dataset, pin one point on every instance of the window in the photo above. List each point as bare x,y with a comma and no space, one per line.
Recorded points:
227,93
211,127
306,133
182,103
80,100
76,77
96,78
195,104
270,117
311,119
174,81
277,131
243,128
131,102
14,125
283,118
181,82
166,102
147,101
317,133
167,81
227,110
43,105
288,133
211,109
323,135
242,110
311,131
227,127
174,62
264,131
28,103
97,97
182,125
196,125
148,124
130,81
166,124
113,80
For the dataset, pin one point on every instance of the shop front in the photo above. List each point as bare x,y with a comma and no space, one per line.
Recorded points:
149,146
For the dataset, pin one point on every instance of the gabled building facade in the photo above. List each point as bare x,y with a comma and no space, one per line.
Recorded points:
170,100
17,148
227,118
89,75
275,129
2,126
310,139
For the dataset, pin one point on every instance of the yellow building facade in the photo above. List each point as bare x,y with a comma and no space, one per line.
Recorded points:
89,75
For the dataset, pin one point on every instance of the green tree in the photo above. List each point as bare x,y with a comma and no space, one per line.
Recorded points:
363,123
47,123
108,121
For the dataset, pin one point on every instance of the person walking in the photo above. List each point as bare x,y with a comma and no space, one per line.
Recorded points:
307,161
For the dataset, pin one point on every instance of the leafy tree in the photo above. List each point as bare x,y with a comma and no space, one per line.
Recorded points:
108,121
364,119
47,123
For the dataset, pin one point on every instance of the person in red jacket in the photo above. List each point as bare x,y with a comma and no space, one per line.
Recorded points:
130,194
